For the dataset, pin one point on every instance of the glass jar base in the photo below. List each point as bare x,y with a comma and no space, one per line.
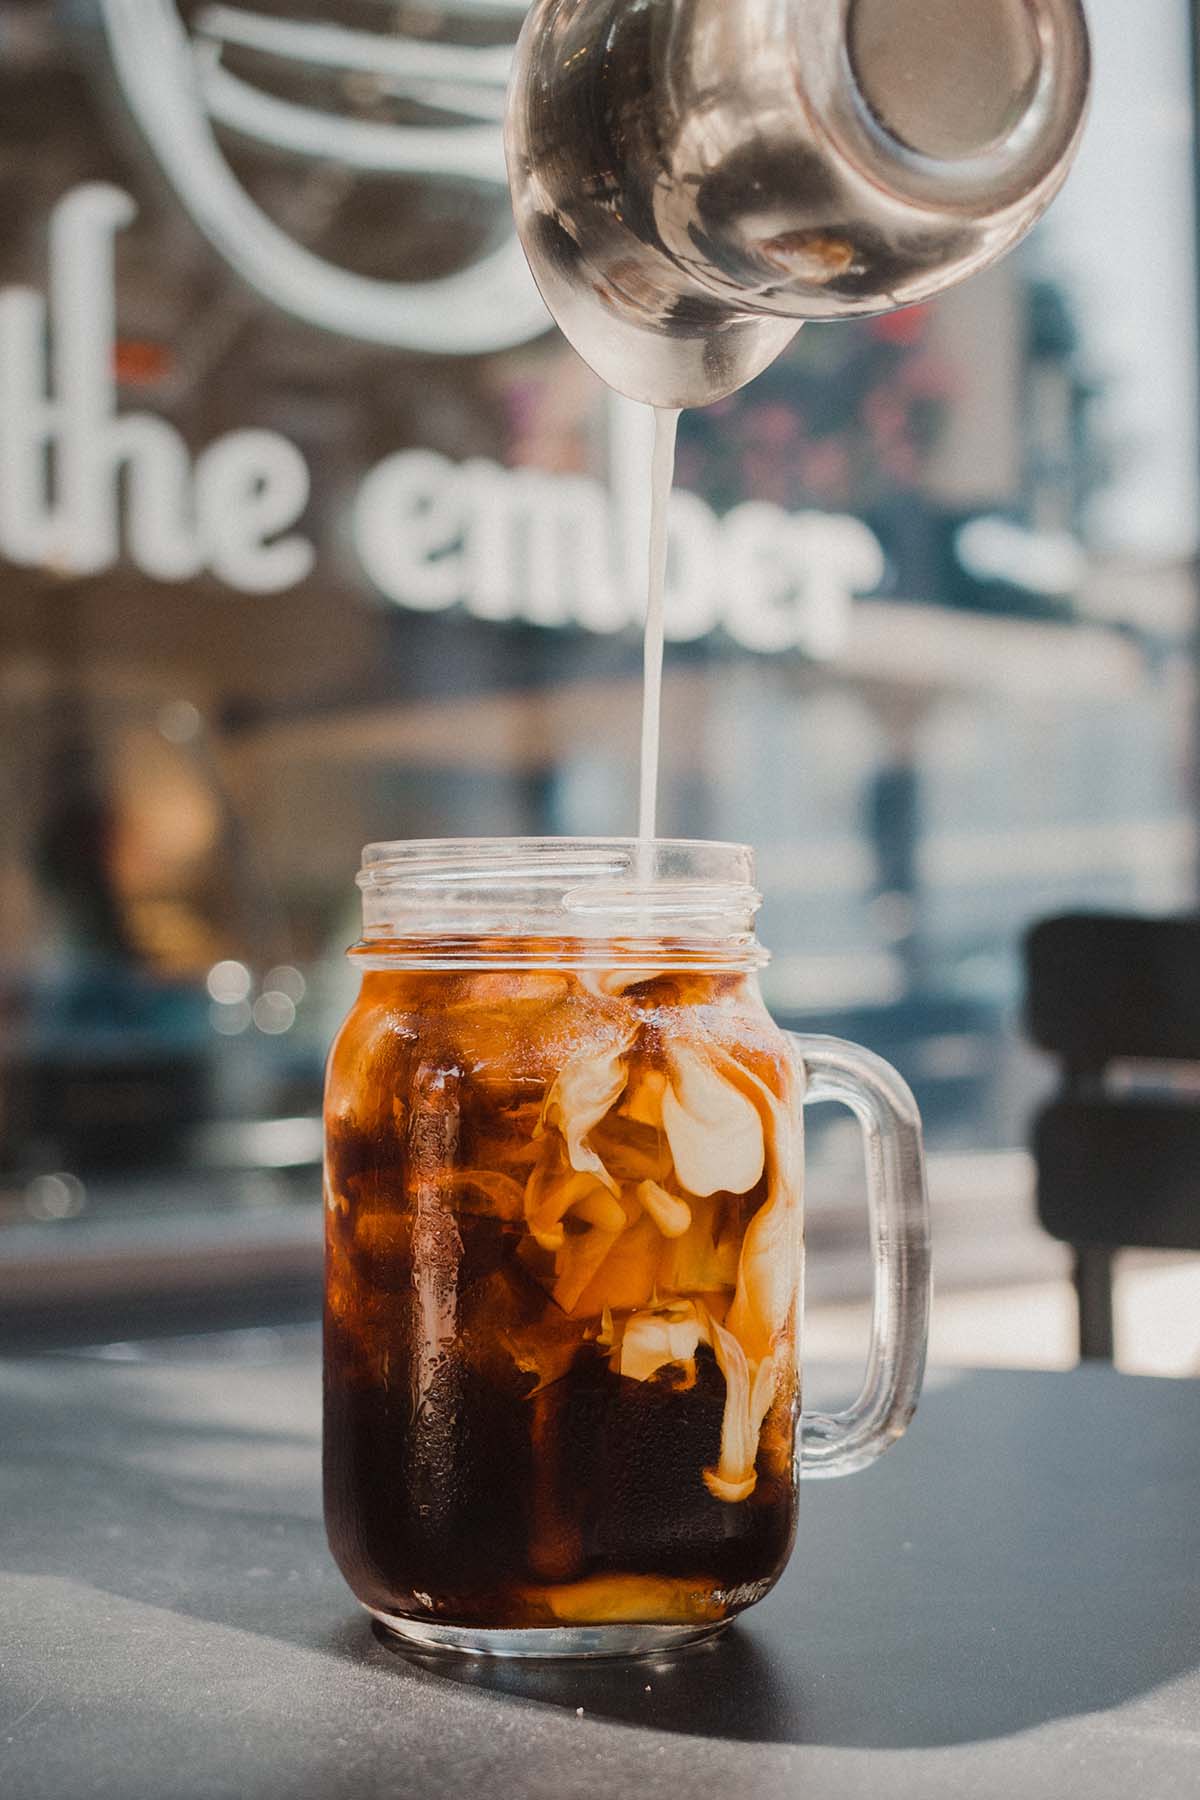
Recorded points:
548,1642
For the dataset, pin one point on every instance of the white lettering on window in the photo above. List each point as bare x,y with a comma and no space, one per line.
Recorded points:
82,483
693,598
78,480
408,528
538,547
27,423
250,486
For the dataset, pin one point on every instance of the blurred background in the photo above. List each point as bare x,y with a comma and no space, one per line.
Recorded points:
313,532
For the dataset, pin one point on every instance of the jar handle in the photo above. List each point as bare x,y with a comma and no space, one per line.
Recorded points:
841,1443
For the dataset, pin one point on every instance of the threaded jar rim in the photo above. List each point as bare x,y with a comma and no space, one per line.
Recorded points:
558,902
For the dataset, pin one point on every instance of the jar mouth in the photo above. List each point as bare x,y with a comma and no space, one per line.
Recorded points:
546,902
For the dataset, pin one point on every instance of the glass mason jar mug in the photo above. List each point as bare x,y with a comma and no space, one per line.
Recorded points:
564,1249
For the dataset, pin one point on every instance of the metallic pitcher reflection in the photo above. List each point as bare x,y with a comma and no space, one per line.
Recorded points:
694,179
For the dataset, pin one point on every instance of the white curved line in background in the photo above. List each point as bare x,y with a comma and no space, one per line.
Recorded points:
446,77
512,11
464,102
474,153
493,305
481,9
365,52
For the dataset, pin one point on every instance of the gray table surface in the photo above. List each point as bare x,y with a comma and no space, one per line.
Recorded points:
1008,1604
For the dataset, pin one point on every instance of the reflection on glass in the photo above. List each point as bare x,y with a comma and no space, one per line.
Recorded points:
931,579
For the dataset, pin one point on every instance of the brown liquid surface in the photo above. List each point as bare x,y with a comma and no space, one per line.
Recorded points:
560,1382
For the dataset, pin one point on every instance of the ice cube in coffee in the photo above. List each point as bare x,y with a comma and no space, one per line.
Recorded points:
563,1230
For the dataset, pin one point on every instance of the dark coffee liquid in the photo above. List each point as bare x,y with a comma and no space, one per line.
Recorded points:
466,1510
487,1463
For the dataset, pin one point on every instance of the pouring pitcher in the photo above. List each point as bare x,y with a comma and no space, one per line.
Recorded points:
694,178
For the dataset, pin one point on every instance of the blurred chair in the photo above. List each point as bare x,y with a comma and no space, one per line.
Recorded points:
1118,1161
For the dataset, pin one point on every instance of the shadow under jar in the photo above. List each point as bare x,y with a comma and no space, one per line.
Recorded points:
564,1243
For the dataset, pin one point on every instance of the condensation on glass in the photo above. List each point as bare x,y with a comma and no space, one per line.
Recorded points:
564,1247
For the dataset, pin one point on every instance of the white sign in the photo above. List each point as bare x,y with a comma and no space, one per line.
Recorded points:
66,454
430,534
177,87
518,544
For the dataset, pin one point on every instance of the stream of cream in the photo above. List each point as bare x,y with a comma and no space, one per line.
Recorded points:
666,425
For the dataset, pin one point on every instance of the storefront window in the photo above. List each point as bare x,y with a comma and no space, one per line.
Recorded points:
313,532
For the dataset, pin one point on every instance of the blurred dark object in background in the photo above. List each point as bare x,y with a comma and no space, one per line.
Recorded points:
1117,1000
